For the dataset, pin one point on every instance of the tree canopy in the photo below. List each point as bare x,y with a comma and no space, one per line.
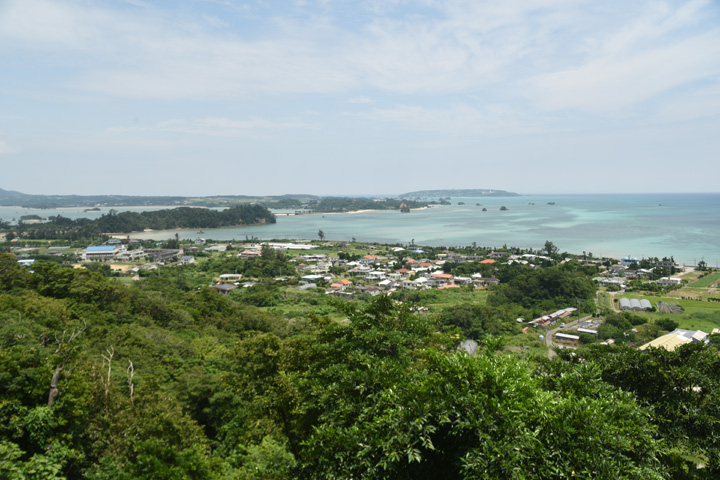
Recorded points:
161,379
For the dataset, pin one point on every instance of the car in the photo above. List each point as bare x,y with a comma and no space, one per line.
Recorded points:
562,325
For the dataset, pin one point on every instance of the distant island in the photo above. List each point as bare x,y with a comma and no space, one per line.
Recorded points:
301,203
9,198
62,228
463,192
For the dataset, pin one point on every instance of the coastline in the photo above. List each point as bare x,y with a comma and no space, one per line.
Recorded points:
351,212
607,225
104,207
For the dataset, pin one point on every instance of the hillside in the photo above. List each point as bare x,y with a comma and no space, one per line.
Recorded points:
106,377
461,192
10,198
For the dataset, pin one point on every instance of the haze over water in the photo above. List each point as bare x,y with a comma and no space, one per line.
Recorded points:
685,226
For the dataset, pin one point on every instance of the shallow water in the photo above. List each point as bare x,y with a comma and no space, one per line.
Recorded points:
685,226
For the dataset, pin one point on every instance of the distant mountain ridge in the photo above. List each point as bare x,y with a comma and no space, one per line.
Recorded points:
461,192
9,198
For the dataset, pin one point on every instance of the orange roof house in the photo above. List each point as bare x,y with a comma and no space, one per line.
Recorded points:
446,276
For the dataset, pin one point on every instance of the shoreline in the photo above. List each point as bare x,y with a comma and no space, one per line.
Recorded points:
352,212
109,207
600,225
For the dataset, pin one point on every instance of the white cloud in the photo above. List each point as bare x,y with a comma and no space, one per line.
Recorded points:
360,100
137,3
53,26
654,54
611,84
212,126
703,103
144,54
556,54
460,120
5,148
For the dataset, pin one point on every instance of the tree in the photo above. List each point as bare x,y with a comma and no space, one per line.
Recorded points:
667,324
64,351
456,416
680,387
544,289
321,234
550,248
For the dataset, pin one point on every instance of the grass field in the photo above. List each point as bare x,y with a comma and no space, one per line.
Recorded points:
454,296
605,300
705,282
535,348
698,315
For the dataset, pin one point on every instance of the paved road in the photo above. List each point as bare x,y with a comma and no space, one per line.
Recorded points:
550,333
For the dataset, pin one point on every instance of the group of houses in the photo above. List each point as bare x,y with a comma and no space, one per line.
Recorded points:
375,274
618,275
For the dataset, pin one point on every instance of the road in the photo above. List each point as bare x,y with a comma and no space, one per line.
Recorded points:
550,333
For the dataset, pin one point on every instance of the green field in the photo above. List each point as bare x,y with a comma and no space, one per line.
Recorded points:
698,315
453,296
705,282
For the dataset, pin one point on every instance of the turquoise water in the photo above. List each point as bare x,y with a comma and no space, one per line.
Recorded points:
685,226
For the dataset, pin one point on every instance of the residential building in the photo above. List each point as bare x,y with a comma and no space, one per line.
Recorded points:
101,253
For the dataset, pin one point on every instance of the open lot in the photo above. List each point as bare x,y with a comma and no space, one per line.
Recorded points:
698,314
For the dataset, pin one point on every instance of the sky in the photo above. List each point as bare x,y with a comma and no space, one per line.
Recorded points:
340,97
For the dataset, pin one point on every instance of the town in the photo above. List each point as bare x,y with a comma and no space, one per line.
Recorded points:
348,269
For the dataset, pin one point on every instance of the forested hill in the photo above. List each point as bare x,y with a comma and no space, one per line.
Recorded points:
13,198
185,217
10,198
59,227
291,201
466,192
346,204
161,379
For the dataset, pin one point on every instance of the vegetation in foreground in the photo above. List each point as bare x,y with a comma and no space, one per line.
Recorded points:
160,379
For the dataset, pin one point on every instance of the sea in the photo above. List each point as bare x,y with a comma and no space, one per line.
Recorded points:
683,226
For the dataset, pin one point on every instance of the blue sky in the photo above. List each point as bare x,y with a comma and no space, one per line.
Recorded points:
332,97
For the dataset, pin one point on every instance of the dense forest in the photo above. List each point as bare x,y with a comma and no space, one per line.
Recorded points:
58,227
346,204
297,202
164,378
